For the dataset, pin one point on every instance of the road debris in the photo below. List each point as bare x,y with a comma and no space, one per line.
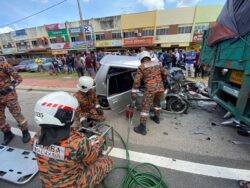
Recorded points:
213,124
241,142
201,132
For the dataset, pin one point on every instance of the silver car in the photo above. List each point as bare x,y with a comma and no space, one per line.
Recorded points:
114,82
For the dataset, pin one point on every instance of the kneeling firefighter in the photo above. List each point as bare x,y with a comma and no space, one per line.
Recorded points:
89,108
66,158
152,73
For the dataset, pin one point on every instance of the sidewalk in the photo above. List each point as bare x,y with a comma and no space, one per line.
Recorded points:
48,85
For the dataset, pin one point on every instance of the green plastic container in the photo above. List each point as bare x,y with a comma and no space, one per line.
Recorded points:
229,80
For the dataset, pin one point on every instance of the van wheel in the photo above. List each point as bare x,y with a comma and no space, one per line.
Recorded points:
176,105
103,102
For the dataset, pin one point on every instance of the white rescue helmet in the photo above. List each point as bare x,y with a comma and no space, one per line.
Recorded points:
56,109
144,54
85,83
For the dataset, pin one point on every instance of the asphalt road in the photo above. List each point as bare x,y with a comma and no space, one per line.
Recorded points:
189,150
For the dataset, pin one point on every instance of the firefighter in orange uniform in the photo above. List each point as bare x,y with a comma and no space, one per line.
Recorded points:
8,98
89,109
152,73
66,158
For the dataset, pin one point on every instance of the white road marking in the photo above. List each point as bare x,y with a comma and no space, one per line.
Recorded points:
184,166
18,132
179,165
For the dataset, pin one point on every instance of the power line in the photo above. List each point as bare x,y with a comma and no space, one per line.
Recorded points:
25,18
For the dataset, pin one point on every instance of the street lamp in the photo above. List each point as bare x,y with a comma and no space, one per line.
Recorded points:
82,25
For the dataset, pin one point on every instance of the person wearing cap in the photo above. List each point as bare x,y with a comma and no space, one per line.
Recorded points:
152,73
66,157
89,108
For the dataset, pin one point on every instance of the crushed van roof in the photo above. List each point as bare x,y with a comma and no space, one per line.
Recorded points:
121,61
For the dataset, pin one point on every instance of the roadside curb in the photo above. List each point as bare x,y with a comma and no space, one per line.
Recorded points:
48,89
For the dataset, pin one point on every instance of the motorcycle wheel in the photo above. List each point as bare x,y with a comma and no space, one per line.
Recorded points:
176,105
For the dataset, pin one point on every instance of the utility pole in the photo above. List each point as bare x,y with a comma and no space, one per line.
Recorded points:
82,25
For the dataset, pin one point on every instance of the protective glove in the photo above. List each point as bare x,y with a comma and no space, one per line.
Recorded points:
99,111
6,90
85,123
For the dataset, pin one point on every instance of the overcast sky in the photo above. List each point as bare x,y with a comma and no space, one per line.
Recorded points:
12,10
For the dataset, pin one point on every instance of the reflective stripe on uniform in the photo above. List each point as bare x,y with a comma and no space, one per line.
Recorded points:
135,90
97,106
25,121
144,114
157,108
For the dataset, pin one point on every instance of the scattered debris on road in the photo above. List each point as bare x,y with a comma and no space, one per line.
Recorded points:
241,142
201,132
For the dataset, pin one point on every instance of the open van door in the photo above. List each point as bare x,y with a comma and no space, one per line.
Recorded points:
119,86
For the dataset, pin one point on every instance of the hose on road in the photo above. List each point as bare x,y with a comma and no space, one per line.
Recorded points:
136,175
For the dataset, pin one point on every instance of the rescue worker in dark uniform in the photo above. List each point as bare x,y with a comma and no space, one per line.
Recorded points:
66,157
8,98
89,108
152,73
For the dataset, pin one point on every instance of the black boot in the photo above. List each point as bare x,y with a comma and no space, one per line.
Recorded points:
141,129
156,119
8,136
26,136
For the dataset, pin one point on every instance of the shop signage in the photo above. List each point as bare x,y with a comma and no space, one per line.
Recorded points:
77,45
106,43
53,27
197,38
60,52
8,50
59,46
18,38
75,30
81,44
138,41
20,32
40,47
56,33
19,35
22,48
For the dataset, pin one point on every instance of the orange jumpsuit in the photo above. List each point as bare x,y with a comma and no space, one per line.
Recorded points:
72,163
152,73
10,100
87,106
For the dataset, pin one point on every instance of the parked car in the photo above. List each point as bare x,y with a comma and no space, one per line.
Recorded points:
43,66
46,63
3,59
23,65
33,67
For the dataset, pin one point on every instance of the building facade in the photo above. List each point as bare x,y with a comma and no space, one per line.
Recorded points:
170,28
204,17
138,29
108,32
174,27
